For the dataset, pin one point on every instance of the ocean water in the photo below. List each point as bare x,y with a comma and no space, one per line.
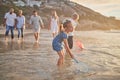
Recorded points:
27,60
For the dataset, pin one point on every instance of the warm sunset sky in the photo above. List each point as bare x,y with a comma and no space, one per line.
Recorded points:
105,7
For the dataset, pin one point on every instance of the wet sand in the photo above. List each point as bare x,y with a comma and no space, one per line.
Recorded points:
31,61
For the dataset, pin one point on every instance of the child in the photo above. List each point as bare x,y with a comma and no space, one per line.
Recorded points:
20,24
37,22
54,23
62,37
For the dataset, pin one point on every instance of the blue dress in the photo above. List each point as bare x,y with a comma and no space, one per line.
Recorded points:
57,41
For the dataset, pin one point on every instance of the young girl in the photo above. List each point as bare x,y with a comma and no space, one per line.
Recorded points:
62,37
54,23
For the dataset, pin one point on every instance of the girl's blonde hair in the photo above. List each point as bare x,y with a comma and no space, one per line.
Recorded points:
76,15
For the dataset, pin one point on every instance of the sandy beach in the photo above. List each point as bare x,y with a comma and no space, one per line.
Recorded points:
32,61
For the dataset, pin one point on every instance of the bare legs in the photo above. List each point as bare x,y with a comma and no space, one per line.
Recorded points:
61,58
54,34
36,35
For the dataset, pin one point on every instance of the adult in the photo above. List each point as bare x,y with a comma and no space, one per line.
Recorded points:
54,24
20,24
74,20
9,22
37,23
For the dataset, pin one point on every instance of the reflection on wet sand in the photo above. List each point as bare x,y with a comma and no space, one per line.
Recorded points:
36,45
13,45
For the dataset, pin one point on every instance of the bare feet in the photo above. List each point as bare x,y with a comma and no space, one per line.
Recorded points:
12,40
22,39
6,39
37,41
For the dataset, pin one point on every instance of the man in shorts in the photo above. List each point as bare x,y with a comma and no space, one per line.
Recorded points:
37,23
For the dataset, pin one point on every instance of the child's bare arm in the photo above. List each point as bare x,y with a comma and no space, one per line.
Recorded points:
67,48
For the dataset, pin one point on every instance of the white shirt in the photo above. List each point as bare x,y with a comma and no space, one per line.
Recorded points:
20,21
74,24
10,19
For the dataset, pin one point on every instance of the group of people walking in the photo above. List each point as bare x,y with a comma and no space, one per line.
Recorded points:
12,21
62,33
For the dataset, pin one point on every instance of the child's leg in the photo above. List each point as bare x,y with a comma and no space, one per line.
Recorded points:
61,58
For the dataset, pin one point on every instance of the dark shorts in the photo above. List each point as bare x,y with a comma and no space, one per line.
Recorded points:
70,41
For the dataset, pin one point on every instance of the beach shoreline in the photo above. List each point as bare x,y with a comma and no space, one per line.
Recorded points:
30,61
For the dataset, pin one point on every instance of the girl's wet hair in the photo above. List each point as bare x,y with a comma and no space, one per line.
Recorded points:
65,23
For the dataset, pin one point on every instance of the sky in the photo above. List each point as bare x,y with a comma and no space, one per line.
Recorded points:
105,7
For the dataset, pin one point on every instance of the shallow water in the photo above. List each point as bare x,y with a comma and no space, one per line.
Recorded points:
37,61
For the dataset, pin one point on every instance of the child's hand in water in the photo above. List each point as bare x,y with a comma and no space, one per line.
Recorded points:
72,56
